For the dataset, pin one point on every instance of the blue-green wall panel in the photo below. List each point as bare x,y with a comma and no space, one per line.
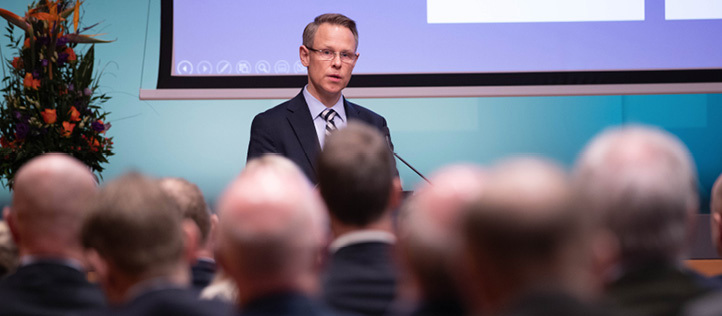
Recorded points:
206,141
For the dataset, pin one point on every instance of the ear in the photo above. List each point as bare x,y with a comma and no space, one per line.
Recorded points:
605,255
304,53
191,237
395,196
9,218
716,228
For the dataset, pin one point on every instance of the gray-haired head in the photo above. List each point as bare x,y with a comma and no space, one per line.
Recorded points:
641,182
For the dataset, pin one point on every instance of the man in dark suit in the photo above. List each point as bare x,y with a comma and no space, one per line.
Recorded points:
642,183
527,248
50,198
140,246
356,178
192,206
272,228
297,128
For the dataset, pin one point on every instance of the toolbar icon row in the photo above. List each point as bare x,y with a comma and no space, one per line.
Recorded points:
242,67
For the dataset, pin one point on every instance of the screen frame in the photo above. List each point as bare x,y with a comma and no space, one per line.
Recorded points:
555,83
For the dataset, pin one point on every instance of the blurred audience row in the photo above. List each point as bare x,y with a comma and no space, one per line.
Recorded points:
520,237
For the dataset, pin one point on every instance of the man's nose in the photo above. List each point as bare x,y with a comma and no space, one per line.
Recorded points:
336,61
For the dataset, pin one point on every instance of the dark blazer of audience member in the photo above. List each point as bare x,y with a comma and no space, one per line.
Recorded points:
272,228
428,224
642,182
139,245
527,248
193,206
50,198
356,178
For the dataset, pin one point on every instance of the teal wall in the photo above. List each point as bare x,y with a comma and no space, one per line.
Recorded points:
206,141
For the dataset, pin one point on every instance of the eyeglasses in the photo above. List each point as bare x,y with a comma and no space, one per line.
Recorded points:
327,54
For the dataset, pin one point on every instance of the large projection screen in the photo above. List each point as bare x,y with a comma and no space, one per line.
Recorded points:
426,48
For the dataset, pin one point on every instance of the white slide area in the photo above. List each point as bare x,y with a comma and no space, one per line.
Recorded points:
692,9
520,11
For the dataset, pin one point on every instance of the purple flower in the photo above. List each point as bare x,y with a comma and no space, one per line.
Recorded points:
44,62
21,130
71,87
62,58
98,126
88,92
61,41
43,40
18,116
36,74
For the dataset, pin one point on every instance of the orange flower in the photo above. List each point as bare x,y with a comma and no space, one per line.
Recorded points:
74,114
30,82
17,63
49,116
94,144
26,44
67,129
71,54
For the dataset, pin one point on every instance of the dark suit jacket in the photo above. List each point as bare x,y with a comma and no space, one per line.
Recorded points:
655,289
170,301
284,304
288,129
361,279
554,303
202,272
45,288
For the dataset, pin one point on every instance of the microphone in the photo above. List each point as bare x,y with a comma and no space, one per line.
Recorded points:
387,134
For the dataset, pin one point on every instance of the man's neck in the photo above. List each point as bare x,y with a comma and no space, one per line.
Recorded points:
383,224
329,100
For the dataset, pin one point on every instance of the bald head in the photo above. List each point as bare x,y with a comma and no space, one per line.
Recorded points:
51,194
428,225
272,223
642,183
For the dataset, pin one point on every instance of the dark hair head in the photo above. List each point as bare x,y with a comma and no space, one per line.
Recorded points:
309,33
355,174
135,225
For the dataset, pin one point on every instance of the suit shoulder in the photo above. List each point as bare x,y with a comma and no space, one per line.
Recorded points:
368,115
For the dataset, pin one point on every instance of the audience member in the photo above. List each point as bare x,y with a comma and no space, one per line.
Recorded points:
8,251
193,206
711,304
428,235
140,245
642,182
356,177
527,248
50,198
715,206
272,228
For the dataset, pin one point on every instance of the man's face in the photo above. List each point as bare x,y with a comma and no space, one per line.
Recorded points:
326,78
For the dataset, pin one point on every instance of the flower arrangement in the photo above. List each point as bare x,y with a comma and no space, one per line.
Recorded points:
50,99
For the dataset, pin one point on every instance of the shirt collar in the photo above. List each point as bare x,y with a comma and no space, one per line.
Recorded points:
361,236
316,107
68,262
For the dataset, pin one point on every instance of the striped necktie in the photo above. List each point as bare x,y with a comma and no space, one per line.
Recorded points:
328,115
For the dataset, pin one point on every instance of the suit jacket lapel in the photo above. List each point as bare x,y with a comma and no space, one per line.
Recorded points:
352,112
302,124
